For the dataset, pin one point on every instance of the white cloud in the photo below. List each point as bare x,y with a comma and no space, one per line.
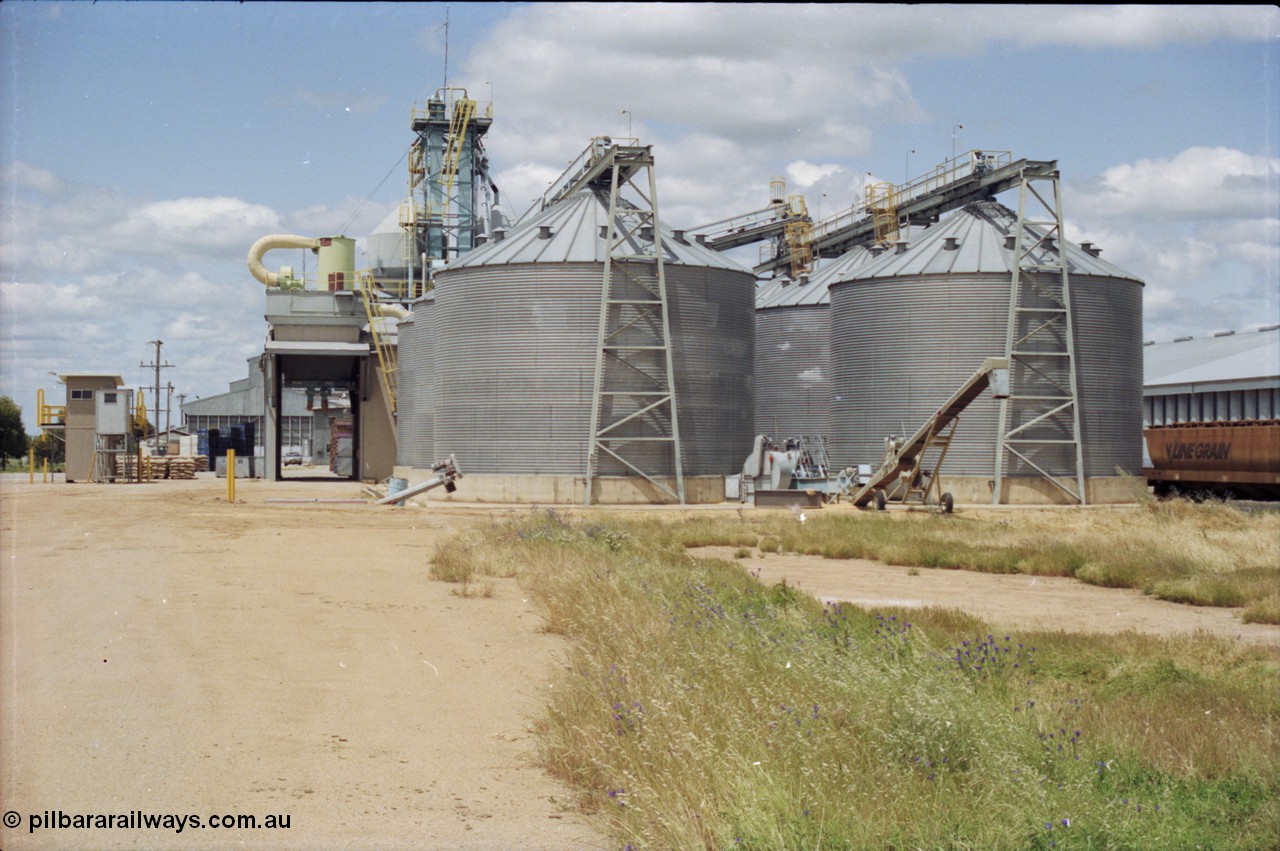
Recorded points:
206,223
805,174
1198,183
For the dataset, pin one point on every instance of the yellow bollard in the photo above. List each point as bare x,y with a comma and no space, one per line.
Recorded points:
44,477
31,465
231,475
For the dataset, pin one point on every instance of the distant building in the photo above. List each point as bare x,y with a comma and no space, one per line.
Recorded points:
304,425
96,420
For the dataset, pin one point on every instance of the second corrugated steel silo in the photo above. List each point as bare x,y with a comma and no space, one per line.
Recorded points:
910,327
515,348
793,351
415,411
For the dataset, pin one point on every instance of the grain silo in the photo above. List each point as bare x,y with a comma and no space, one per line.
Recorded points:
908,328
415,413
515,344
793,350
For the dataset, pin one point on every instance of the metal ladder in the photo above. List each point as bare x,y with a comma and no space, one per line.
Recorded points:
388,363
633,401
1042,413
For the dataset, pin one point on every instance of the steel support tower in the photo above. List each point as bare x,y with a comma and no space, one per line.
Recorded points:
1041,417
633,401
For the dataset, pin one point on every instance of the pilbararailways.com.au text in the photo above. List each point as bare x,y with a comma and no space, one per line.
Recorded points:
139,820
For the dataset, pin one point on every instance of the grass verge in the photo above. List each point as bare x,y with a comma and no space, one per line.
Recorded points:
702,709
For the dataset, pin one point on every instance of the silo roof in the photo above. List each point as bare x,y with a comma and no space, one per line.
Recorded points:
385,244
1247,356
784,292
979,230
574,237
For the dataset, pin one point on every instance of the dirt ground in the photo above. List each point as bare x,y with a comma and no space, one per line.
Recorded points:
165,652
1013,602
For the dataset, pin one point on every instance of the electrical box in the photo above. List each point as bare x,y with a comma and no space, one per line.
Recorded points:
113,411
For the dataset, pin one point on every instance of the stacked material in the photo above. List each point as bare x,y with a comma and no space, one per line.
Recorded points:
182,467
157,467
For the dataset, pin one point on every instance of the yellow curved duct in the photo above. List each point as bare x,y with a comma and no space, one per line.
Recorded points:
269,242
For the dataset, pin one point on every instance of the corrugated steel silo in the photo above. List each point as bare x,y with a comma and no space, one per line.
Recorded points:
516,343
793,350
910,326
415,374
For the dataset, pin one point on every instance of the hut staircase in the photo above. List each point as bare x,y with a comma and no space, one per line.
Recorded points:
1041,417
634,424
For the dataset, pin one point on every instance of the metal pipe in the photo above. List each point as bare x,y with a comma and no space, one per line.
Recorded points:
268,242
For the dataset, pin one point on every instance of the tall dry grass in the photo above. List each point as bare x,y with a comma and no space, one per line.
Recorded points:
702,709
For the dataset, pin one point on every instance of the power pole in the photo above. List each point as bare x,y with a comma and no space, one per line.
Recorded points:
157,366
168,409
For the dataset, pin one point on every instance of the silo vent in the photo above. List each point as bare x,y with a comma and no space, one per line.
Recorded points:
482,239
804,280
950,244
1008,242
876,250
1090,249
1182,339
544,232
702,239
499,234
604,231
1269,327
900,247
680,237
646,233
786,282
1149,343
1224,334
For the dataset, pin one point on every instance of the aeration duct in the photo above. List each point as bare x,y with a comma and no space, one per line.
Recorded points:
267,243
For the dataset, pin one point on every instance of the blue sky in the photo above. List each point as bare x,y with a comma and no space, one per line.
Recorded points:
145,146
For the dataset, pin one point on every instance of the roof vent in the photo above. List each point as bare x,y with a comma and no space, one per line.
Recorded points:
1182,339
499,234
1088,248
604,231
876,250
950,244
1149,343
680,237
804,280
482,239
1269,327
900,247
544,231
646,233
786,282
1008,242
1224,333
701,238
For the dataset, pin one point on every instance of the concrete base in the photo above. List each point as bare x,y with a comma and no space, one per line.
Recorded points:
1110,490
564,490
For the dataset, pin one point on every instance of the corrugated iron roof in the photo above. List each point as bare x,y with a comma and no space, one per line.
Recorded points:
972,241
1247,356
784,292
572,235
